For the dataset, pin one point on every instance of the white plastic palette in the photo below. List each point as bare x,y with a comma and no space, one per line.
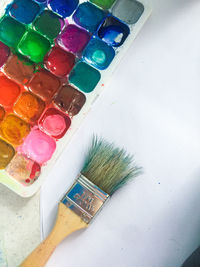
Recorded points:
120,9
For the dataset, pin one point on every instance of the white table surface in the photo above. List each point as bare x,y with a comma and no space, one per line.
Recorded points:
152,108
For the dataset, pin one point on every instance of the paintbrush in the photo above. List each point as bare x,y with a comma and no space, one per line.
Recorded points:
106,169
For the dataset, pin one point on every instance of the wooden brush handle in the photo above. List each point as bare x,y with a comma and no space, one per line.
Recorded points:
67,222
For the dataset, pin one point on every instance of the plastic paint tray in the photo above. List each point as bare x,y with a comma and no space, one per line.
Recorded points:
90,60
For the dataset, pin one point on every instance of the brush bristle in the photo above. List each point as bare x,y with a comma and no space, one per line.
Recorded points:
109,167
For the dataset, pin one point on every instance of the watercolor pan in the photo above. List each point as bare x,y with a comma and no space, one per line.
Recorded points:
49,24
44,84
56,57
24,11
59,62
98,54
73,38
19,69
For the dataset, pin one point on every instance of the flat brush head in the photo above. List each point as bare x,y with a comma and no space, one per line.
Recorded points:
109,167
106,169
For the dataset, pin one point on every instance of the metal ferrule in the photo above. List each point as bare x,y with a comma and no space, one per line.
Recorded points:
85,198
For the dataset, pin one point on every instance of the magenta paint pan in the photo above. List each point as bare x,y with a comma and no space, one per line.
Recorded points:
55,59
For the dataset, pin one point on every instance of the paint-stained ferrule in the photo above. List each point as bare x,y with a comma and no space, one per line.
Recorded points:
85,198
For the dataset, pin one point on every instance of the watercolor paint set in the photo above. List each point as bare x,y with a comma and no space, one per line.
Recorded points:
55,59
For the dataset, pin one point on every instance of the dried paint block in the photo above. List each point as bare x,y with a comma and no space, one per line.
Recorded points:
49,24
7,152
59,62
34,46
13,129
70,100
24,170
113,31
98,54
29,107
11,31
4,53
88,16
54,123
105,4
9,91
2,113
24,11
128,10
44,84
73,38
19,69
84,77
64,8
38,146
